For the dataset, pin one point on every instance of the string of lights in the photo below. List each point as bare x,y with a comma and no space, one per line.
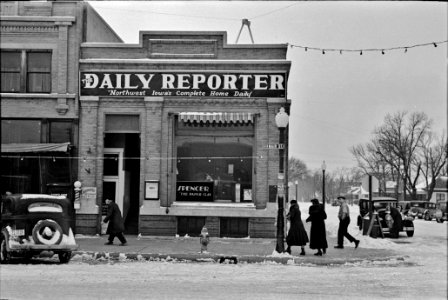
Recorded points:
361,51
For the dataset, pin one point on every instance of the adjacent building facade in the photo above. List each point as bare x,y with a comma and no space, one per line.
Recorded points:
179,129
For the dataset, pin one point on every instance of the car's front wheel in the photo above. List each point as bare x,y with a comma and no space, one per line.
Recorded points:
410,233
4,254
64,257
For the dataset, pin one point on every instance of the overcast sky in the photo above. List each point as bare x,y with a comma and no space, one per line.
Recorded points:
337,99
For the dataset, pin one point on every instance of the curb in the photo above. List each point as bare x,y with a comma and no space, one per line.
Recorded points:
234,259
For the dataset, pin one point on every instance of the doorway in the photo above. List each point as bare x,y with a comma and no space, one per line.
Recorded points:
122,175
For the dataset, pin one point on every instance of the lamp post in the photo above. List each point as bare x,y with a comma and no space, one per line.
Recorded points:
297,190
402,171
281,120
324,166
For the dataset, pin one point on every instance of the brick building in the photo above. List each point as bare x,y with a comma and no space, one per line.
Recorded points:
179,129
40,44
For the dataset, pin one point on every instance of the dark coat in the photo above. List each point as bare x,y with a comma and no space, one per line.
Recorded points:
318,234
396,227
116,224
297,235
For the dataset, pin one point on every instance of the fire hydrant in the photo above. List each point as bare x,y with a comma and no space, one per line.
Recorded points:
204,239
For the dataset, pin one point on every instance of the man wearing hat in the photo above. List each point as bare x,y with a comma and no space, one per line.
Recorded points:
344,221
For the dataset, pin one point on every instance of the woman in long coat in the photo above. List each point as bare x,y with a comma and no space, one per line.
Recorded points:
297,235
318,235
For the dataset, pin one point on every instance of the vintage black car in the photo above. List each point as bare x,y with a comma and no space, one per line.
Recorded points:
33,223
381,205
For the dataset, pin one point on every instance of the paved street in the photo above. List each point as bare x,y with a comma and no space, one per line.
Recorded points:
422,274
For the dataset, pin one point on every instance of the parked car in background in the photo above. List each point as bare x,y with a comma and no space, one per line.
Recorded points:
404,207
33,223
441,211
417,208
429,211
380,205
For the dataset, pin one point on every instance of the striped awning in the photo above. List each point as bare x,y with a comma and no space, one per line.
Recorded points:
216,117
35,148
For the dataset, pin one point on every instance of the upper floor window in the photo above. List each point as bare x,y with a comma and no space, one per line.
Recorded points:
24,71
440,196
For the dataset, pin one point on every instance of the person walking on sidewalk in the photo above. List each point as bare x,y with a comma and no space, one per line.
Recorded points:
116,224
344,221
297,235
318,234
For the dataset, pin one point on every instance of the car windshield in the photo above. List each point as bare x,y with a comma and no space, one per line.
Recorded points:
381,205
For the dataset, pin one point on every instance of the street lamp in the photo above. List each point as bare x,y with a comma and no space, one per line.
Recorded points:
324,166
281,120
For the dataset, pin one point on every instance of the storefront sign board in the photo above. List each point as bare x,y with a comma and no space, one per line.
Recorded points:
185,84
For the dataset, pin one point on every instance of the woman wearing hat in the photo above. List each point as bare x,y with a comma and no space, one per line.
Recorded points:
297,235
318,234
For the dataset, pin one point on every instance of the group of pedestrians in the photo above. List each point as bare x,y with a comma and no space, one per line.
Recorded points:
297,235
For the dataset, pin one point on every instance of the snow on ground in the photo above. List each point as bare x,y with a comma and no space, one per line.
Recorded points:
424,277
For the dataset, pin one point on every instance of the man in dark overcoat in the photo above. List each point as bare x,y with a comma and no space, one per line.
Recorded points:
116,224
297,235
396,227
318,234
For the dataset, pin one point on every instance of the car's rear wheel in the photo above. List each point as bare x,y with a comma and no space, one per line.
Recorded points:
4,254
427,218
410,233
64,257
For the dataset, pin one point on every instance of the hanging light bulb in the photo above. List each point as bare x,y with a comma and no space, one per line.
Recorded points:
435,45
306,48
54,159
323,51
340,51
405,50
382,52
360,53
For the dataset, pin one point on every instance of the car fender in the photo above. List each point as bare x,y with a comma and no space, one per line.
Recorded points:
5,233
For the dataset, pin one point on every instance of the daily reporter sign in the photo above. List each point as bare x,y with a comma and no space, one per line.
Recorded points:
172,84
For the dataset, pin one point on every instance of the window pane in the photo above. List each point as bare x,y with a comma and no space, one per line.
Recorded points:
110,164
21,131
10,82
122,123
39,83
10,61
10,71
60,132
39,62
39,72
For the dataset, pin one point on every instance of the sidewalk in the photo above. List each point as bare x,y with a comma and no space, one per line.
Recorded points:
229,250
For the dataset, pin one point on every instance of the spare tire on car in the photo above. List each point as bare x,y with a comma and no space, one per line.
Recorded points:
47,232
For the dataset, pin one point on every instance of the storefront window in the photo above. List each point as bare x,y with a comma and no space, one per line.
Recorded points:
214,163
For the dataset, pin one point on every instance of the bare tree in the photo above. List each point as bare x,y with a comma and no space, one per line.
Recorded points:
297,169
434,156
396,144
